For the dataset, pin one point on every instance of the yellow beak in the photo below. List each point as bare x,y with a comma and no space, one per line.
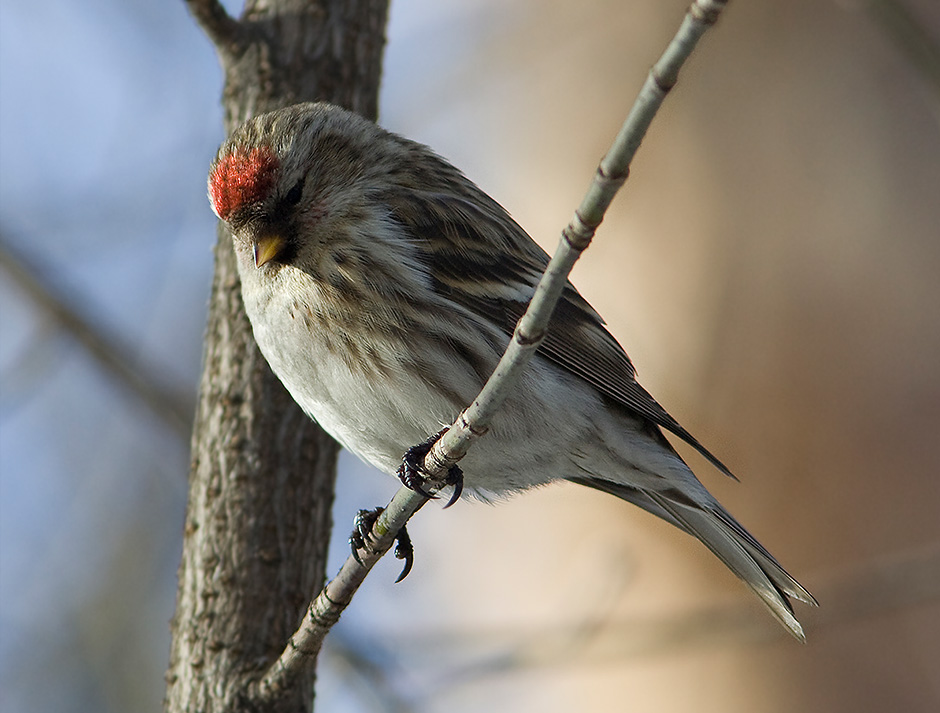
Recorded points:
266,248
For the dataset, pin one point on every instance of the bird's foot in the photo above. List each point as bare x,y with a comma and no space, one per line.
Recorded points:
410,472
362,538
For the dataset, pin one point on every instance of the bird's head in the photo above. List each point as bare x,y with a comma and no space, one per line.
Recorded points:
285,177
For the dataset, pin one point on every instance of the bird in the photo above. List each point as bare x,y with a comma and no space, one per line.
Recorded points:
383,285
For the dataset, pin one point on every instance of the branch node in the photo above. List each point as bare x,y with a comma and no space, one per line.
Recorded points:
527,340
300,649
707,11
660,84
325,612
475,430
612,180
579,232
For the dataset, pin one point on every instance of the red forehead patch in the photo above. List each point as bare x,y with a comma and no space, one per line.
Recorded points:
241,178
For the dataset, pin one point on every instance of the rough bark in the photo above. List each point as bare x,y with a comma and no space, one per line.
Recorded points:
261,480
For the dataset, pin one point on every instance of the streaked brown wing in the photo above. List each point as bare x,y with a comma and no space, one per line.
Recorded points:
459,235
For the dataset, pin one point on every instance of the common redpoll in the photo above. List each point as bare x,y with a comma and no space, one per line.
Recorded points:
382,286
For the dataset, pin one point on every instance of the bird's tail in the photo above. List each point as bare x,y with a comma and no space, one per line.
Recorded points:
730,542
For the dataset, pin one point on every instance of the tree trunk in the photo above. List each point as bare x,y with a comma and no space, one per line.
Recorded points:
261,480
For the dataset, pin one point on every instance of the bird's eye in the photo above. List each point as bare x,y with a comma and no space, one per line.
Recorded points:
293,196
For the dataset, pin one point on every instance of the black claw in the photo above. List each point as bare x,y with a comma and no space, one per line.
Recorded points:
410,478
361,539
362,531
404,550
365,521
455,478
410,472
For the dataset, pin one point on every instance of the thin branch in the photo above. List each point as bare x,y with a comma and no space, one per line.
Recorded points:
108,350
326,609
609,177
224,31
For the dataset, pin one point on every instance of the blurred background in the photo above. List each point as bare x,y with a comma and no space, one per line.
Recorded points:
773,268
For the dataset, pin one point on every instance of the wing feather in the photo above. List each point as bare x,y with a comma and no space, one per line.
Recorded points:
481,259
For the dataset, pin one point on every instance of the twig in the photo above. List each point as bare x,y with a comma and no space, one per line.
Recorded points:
531,329
225,32
575,238
108,350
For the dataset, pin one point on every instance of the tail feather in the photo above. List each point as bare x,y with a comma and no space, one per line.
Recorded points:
743,555
727,538
765,560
